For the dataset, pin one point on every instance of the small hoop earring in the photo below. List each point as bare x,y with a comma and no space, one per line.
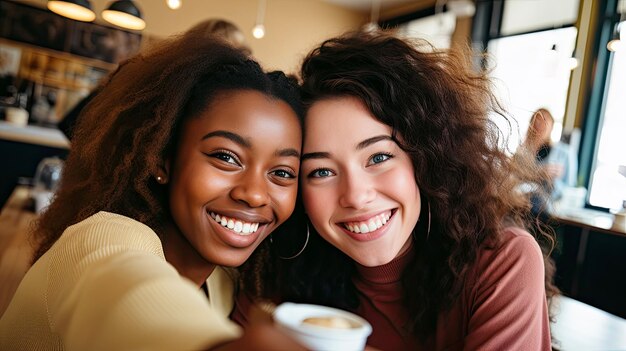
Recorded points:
306,242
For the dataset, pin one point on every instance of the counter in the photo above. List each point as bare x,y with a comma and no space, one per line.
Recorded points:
50,137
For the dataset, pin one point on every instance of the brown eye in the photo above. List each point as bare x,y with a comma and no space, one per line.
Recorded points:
284,174
225,157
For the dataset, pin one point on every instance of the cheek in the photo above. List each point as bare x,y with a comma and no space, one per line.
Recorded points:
317,204
285,199
402,186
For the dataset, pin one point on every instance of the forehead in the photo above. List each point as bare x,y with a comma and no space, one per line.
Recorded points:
342,121
249,113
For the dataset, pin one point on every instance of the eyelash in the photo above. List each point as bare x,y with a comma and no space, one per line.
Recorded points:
290,175
317,170
388,156
220,153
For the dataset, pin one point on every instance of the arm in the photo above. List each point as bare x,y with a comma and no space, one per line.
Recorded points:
108,292
509,310
259,331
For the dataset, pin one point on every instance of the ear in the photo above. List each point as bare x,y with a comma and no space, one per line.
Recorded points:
163,172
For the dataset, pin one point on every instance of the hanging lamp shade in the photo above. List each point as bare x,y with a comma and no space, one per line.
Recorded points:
125,14
79,10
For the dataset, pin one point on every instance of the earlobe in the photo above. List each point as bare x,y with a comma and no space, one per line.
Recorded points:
162,173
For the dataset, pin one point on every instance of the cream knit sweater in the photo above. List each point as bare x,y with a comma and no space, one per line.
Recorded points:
105,285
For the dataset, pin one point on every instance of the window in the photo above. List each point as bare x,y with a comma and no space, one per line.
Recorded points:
607,186
533,71
436,29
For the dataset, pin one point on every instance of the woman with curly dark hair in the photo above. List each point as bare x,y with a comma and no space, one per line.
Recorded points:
181,165
422,228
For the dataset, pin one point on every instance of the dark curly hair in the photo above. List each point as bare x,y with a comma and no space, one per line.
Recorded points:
439,110
132,125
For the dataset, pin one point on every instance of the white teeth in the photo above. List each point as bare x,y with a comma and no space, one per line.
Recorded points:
370,225
237,226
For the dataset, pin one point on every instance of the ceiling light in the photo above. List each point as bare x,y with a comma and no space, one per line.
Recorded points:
125,14
258,31
174,4
79,10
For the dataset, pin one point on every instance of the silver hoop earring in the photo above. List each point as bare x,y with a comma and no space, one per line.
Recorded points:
306,242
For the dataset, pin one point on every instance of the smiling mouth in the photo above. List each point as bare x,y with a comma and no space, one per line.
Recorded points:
235,225
372,224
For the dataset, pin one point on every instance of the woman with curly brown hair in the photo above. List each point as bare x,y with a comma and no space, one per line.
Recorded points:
422,229
183,163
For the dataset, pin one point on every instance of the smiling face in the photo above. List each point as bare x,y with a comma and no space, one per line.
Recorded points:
358,185
233,179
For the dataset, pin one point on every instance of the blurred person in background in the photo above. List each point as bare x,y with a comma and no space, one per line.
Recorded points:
557,163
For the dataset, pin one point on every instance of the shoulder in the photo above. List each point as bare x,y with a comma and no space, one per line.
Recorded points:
515,263
513,244
506,301
105,229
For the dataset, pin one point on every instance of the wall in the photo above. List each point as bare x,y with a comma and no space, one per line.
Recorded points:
293,27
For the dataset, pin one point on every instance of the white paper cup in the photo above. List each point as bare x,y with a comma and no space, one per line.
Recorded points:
289,317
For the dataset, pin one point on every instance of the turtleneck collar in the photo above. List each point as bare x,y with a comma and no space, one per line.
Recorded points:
388,273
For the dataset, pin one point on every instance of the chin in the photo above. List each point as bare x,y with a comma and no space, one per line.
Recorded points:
232,261
372,261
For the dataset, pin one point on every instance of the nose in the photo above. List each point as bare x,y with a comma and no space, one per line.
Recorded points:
251,190
357,191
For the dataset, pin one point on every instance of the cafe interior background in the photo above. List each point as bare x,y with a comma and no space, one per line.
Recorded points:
568,56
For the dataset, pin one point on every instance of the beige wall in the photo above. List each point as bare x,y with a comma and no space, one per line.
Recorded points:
293,27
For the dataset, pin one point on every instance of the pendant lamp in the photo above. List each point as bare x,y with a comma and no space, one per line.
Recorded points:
79,10
125,14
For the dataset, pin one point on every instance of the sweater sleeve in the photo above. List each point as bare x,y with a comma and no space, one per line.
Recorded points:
509,309
106,291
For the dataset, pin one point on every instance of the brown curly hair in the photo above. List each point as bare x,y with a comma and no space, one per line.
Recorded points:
131,126
440,111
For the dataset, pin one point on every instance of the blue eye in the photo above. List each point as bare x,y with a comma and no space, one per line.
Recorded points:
379,158
321,173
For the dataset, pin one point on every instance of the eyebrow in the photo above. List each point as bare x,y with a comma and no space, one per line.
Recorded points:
289,152
362,145
373,140
228,135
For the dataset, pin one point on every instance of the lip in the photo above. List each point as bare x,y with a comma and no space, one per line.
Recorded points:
233,239
370,235
242,215
366,216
